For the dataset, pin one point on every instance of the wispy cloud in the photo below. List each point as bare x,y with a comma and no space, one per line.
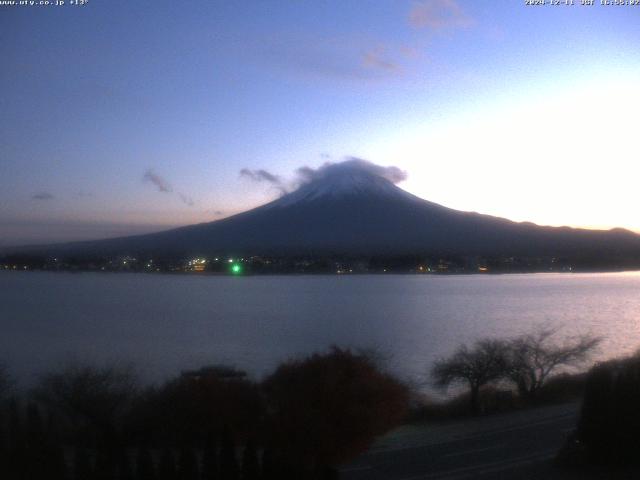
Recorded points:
409,52
260,176
356,57
347,58
158,181
263,176
165,187
375,58
186,199
439,15
42,196
82,194
215,213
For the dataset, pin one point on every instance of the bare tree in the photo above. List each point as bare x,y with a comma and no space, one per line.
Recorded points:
476,366
533,357
89,398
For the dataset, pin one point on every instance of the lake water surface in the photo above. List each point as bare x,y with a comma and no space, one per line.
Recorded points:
166,323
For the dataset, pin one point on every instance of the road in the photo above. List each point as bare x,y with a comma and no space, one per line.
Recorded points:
516,445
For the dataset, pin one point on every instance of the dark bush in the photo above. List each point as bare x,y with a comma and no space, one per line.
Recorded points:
561,388
250,463
187,464
210,468
328,408
90,402
167,466
82,466
229,469
196,406
6,383
145,468
125,469
213,423
609,424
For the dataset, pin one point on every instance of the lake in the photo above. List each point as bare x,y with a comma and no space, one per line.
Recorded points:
166,323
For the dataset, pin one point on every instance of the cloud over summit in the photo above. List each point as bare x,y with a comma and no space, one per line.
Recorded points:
351,165
305,174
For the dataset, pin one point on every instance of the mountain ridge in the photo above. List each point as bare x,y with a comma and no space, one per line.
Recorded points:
352,208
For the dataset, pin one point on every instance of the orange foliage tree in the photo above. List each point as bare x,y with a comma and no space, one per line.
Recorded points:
328,408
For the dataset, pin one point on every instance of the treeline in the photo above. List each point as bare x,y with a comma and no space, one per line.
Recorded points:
301,422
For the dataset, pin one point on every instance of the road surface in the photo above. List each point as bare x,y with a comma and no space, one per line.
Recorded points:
516,445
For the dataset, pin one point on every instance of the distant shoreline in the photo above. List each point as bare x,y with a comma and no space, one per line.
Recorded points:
322,274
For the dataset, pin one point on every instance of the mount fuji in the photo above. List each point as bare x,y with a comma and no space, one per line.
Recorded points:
352,208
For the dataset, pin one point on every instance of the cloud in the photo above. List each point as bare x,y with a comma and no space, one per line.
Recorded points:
158,181
409,52
306,174
165,187
43,196
186,199
349,166
216,213
347,58
260,176
82,194
439,15
375,58
263,176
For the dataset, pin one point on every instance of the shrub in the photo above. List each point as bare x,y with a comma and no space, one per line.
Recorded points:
609,424
6,382
328,408
91,401
196,406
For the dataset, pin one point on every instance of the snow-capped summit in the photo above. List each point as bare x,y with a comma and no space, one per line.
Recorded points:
353,177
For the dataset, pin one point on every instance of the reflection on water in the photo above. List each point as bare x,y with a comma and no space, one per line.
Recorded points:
165,323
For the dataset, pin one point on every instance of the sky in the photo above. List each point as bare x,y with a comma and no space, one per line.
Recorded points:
124,117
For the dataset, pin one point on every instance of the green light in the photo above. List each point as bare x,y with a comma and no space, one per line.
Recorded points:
235,268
